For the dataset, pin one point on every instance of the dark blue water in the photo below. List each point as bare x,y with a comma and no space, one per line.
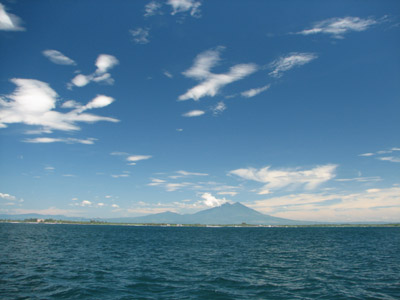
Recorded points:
116,262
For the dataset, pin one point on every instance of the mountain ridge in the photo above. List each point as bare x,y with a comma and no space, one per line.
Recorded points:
226,214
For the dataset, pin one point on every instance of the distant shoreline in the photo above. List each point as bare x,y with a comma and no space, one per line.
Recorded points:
96,223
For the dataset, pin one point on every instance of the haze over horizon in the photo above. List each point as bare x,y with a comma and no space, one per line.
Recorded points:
290,108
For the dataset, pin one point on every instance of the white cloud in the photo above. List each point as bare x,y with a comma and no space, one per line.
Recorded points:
219,108
360,179
390,158
280,178
168,74
85,203
337,27
193,113
378,155
47,140
212,201
367,154
58,58
133,158
290,61
9,22
7,197
98,102
104,63
371,205
140,35
152,8
120,175
185,173
114,205
228,193
211,83
34,102
254,92
181,6
172,187
81,80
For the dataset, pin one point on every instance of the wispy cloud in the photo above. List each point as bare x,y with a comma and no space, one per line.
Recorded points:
194,113
360,179
254,92
152,8
135,158
104,63
183,173
168,74
390,158
48,140
379,155
290,61
280,178
369,205
182,6
58,58
9,22
367,154
140,35
338,27
211,83
33,103
219,108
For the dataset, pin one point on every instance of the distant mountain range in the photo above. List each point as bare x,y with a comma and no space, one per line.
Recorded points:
227,213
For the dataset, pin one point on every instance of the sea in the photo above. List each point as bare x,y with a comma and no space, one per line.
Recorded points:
42,261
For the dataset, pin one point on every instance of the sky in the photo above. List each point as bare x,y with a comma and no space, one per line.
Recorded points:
126,108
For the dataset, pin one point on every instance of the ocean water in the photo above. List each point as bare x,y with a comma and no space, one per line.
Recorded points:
39,261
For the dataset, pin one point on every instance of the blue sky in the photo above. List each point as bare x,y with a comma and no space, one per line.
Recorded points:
124,108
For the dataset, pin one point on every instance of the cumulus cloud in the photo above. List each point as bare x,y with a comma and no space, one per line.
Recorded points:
9,22
280,178
140,35
337,27
33,103
182,6
85,203
254,92
211,201
58,58
48,140
152,8
104,63
211,83
194,113
290,61
7,197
